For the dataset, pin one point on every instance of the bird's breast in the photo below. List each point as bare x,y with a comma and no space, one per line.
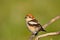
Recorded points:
33,29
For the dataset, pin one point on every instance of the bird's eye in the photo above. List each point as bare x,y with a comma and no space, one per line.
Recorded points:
29,17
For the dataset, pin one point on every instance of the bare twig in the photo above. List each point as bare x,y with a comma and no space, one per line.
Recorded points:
51,21
47,34
44,26
31,37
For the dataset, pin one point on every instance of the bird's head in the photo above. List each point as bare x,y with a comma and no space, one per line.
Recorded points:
29,17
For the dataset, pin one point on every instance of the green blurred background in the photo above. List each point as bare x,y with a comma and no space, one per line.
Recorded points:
12,21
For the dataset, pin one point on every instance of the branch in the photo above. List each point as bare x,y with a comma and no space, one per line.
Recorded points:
51,21
44,26
47,34
31,37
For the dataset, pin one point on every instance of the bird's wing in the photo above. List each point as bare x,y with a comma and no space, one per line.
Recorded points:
33,23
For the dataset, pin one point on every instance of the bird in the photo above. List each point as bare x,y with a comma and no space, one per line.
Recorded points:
33,25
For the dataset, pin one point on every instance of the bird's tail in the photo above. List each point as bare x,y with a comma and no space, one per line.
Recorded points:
43,29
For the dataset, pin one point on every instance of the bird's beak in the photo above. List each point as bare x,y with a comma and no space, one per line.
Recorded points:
25,17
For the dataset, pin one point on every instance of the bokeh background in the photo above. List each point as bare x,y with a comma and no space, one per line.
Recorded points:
12,21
